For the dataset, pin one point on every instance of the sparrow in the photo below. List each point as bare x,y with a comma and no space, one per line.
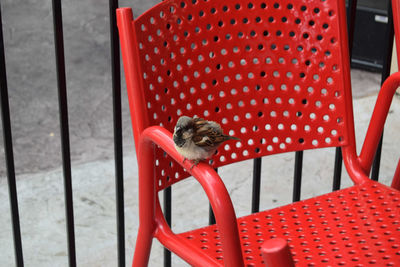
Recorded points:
197,139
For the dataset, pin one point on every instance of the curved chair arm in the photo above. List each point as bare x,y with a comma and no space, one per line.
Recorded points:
210,181
359,167
378,119
357,174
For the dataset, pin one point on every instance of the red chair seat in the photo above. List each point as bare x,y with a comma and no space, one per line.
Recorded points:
364,217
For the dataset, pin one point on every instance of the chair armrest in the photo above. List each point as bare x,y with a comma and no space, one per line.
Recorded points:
377,121
210,181
357,174
359,167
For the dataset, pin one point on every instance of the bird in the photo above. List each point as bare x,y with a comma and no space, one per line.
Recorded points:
197,139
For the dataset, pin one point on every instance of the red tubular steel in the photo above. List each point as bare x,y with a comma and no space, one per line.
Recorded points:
396,177
378,119
152,218
396,24
276,75
276,252
132,71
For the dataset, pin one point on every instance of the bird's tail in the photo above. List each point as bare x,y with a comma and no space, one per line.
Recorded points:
228,137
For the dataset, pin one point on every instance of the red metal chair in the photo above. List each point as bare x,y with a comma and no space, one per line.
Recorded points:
396,22
275,74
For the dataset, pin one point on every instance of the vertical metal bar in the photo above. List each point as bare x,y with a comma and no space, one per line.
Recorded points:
255,201
211,216
298,167
351,21
377,161
117,119
337,171
9,154
385,73
64,128
167,213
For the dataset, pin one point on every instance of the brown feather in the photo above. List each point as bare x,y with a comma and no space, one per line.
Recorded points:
207,135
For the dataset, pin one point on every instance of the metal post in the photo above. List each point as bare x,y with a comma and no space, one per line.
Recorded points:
9,154
255,201
298,167
337,171
211,216
167,213
64,129
117,119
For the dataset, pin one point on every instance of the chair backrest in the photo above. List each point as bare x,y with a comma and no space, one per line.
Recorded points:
273,73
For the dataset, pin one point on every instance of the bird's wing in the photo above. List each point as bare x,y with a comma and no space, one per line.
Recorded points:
207,133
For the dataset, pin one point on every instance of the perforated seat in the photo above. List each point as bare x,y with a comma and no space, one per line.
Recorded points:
356,226
276,75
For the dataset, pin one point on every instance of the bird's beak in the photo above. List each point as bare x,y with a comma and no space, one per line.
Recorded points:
178,140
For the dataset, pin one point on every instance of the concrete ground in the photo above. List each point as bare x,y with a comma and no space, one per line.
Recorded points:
27,27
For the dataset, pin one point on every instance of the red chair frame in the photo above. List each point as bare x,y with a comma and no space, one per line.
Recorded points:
159,51
396,22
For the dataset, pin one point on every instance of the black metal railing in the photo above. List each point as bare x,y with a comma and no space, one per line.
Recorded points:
117,116
8,148
118,151
64,129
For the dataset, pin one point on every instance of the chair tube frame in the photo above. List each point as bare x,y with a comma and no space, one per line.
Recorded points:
151,216
152,221
378,120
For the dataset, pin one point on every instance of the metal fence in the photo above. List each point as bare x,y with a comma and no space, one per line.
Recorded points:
116,89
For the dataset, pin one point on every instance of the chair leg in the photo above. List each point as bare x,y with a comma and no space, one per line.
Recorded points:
276,252
143,248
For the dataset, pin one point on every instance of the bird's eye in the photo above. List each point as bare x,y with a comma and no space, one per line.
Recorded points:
178,130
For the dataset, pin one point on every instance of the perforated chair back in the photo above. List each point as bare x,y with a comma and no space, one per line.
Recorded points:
274,74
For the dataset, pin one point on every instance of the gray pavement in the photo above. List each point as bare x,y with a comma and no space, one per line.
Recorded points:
32,84
28,34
